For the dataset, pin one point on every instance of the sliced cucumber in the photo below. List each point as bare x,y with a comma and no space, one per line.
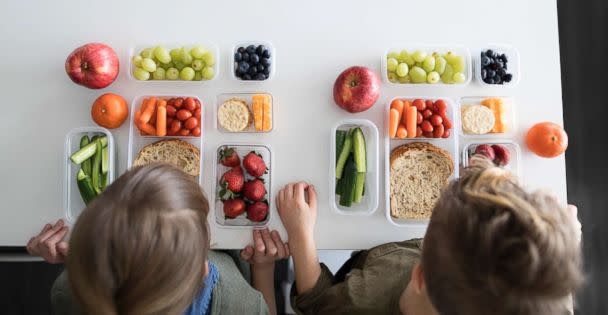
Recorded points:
340,137
359,150
359,186
96,168
85,186
344,153
86,164
88,151
348,188
105,160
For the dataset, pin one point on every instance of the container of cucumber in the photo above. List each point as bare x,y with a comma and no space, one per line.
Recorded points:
354,167
88,168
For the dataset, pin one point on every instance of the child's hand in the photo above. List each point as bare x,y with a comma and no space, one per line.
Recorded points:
298,216
268,248
49,243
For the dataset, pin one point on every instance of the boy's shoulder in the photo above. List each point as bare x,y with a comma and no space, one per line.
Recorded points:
410,248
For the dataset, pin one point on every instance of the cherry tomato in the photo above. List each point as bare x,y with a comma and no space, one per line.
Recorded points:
178,102
196,132
447,123
171,101
429,105
198,103
427,134
191,123
427,114
171,111
438,132
169,121
426,126
446,134
419,104
183,114
184,132
175,126
189,104
418,132
441,105
419,118
197,113
436,120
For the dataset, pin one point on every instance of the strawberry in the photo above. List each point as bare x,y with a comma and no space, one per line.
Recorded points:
486,150
257,211
228,157
231,182
234,207
254,164
502,155
254,190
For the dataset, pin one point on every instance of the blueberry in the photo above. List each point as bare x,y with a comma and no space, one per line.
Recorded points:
241,50
237,56
485,61
507,77
254,59
246,77
499,65
493,66
491,73
238,72
484,74
265,61
497,79
266,53
260,49
250,49
245,57
503,57
489,53
260,68
267,72
488,80
243,66
260,77
252,71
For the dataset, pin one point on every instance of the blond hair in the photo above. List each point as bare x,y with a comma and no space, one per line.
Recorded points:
493,248
141,246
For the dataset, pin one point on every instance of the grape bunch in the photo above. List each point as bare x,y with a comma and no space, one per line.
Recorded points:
158,63
420,67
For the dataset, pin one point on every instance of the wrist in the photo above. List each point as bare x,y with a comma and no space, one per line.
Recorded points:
263,267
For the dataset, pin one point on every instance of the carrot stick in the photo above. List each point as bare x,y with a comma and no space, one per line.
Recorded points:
147,128
411,115
258,112
406,105
161,118
401,132
398,105
147,111
393,122
267,114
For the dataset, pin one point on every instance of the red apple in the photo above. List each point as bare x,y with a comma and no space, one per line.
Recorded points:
93,65
356,89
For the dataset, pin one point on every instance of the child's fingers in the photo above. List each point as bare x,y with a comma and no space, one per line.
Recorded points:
247,253
278,243
257,240
271,249
287,252
281,196
56,238
45,229
289,191
51,231
62,248
299,191
312,196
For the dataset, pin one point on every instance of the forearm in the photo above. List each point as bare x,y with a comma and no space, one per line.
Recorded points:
262,278
306,263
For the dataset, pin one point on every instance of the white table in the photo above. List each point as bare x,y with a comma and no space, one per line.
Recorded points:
314,41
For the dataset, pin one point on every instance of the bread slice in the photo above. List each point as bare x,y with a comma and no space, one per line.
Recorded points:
234,115
418,172
176,152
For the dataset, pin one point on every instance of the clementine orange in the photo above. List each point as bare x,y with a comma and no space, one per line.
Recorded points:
110,110
547,139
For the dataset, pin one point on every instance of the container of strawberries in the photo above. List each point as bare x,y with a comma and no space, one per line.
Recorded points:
243,185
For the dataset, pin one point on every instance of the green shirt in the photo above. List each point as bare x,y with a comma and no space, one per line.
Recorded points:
373,283
232,294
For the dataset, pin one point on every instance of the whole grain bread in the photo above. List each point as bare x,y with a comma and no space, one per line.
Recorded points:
418,173
176,152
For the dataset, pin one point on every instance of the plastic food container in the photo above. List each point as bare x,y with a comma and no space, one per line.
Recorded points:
429,49
448,144
209,46
512,64
514,165
247,97
242,149
232,65
451,110
369,203
510,117
72,202
138,141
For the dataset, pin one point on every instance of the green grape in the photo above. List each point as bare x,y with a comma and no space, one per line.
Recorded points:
186,74
440,64
179,65
449,57
148,64
167,65
392,54
175,54
428,64
404,56
391,64
458,63
417,74
448,74
405,80
137,60
185,56
162,54
146,53
392,77
198,64
402,69
432,77
198,51
197,76
208,73
172,74
159,74
208,58
141,74
459,77
419,55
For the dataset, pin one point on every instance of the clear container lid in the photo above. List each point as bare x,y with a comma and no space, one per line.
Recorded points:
513,64
232,64
247,98
369,203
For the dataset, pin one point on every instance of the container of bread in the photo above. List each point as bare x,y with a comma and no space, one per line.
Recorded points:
487,117
416,169
244,112
183,152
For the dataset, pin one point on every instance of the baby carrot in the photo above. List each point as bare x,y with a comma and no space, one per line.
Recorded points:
411,114
398,105
148,108
161,118
147,128
393,122
406,105
401,132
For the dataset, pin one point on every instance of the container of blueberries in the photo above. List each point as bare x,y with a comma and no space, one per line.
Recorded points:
252,61
497,65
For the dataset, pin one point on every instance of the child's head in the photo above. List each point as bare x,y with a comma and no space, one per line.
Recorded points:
141,246
493,248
